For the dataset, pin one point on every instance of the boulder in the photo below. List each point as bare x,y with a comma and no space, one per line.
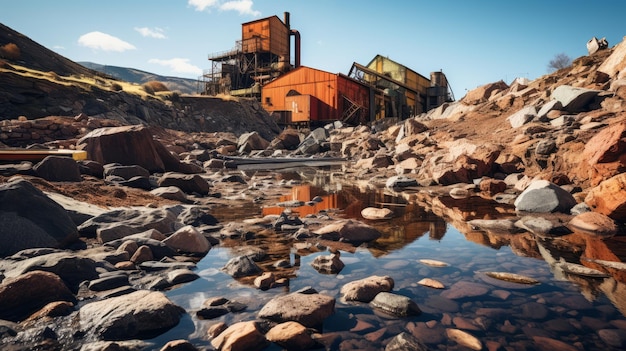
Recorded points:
25,294
329,264
609,198
574,99
73,269
241,266
398,182
522,116
30,219
289,139
605,153
349,230
374,213
125,172
396,305
251,141
120,223
188,240
366,289
309,310
483,93
544,196
126,145
170,193
140,314
58,169
188,183
239,337
593,223
291,336
615,65
406,342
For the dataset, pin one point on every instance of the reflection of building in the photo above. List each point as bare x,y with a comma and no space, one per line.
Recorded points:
304,193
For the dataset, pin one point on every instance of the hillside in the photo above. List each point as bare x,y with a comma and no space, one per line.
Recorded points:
36,82
182,85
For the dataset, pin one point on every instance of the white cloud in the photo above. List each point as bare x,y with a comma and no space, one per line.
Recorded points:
178,65
202,5
155,32
58,47
244,7
105,42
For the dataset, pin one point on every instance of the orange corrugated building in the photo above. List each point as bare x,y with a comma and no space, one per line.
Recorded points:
306,95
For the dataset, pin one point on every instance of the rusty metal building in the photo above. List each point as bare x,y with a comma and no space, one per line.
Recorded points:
402,92
307,95
262,54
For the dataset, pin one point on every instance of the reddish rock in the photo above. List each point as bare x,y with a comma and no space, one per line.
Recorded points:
366,289
291,335
27,293
242,336
188,240
492,186
593,223
609,198
143,254
484,92
309,310
605,153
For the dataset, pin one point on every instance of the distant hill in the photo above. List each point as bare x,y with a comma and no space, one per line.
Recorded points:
131,75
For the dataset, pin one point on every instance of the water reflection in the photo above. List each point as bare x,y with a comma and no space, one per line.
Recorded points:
564,309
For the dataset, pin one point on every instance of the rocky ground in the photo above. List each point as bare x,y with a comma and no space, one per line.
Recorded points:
90,246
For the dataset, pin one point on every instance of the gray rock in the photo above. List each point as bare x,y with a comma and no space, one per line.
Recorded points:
494,225
406,342
181,275
535,225
241,266
574,99
58,169
140,314
188,183
309,310
138,182
366,289
170,193
396,305
117,224
349,230
545,147
580,208
30,219
251,141
126,172
108,282
329,264
523,116
400,182
544,196
547,107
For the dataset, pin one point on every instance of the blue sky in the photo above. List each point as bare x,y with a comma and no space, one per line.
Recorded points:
473,42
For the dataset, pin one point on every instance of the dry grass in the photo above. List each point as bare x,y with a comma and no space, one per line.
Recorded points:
154,86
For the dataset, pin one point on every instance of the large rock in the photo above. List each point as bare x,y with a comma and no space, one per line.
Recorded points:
366,289
241,266
609,198
544,196
522,116
118,224
605,153
349,230
615,65
140,314
127,145
188,240
242,336
73,269
25,294
291,335
396,305
329,264
188,183
126,172
58,169
574,99
483,93
593,223
30,219
251,141
309,310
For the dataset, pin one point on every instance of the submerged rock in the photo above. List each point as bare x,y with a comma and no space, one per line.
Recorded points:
406,342
329,264
396,305
349,230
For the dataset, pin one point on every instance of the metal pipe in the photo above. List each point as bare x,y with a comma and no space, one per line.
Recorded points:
296,34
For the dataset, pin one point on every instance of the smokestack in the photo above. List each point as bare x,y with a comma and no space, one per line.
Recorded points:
297,49
286,17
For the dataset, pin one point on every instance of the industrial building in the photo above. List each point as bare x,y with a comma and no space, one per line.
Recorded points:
307,95
261,66
262,54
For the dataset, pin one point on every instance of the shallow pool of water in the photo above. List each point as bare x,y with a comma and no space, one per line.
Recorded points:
560,312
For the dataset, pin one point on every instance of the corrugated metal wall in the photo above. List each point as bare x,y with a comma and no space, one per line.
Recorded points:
326,91
265,35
